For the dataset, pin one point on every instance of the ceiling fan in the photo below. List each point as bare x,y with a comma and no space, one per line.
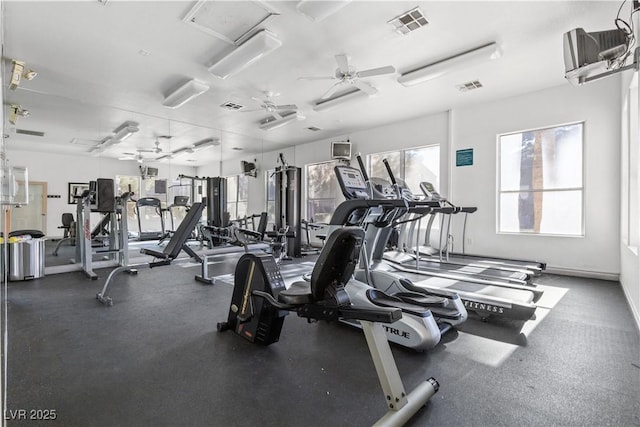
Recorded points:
271,107
138,154
348,75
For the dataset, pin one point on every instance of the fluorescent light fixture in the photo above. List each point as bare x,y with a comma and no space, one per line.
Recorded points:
453,63
180,152
200,145
124,131
102,145
337,101
205,143
317,10
285,120
254,48
185,93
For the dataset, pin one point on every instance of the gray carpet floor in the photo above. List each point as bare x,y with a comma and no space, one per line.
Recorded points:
155,359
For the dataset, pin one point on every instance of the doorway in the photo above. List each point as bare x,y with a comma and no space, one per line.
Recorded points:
32,216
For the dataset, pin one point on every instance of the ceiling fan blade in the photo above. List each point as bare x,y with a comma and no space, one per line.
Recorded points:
129,154
286,107
365,87
331,90
317,78
276,115
343,63
376,71
252,110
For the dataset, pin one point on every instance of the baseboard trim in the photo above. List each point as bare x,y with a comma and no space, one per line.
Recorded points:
614,277
632,307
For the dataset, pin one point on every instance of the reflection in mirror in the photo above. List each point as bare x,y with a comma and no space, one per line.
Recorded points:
148,160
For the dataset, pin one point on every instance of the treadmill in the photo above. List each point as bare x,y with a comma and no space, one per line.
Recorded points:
409,262
463,259
509,301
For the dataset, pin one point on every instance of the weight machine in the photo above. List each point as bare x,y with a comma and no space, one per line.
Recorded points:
100,198
288,206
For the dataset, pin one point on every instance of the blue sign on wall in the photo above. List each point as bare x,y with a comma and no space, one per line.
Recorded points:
464,157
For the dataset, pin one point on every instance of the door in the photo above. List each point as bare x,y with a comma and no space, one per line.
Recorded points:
34,215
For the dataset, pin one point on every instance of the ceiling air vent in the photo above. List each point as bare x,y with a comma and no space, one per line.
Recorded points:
29,132
232,106
409,21
466,87
313,129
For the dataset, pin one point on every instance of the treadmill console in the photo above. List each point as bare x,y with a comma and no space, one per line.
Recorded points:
429,191
352,183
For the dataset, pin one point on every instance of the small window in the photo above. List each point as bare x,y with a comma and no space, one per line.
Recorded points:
541,181
413,166
270,179
322,191
237,196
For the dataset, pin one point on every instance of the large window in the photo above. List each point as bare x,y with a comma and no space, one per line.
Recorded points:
237,196
540,181
322,191
413,166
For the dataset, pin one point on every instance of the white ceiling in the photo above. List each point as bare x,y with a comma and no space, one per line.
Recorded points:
92,76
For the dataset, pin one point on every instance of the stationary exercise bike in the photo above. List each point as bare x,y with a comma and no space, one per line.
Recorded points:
260,302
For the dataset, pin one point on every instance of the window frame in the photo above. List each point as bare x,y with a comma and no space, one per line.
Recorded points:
237,200
269,175
337,197
403,171
582,188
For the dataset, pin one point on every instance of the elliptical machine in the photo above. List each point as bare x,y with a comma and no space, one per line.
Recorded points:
376,213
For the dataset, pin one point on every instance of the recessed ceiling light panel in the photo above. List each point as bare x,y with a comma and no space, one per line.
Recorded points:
228,20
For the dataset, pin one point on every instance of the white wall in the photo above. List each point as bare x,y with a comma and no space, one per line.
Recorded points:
629,257
417,132
598,105
57,170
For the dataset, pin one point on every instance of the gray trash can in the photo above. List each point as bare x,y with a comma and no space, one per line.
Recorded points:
26,259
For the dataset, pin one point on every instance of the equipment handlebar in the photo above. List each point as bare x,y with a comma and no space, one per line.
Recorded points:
362,168
391,176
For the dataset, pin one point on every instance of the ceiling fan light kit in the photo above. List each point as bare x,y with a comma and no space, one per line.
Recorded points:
347,75
453,63
185,93
257,46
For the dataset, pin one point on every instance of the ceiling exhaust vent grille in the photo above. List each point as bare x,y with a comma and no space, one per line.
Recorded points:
232,106
409,21
29,132
466,87
313,129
